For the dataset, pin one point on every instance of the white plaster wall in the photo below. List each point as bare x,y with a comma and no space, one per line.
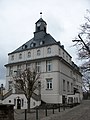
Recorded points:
34,103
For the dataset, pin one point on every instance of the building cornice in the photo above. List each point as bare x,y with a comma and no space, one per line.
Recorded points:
43,59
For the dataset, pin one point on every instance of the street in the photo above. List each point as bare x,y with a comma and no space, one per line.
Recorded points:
81,112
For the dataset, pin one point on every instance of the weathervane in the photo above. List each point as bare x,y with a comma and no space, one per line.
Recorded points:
40,14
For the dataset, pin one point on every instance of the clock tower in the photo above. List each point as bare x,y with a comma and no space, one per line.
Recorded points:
40,28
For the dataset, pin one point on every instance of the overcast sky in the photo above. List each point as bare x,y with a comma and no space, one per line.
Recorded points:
18,17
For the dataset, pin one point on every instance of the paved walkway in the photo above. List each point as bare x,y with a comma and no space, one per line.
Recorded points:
81,112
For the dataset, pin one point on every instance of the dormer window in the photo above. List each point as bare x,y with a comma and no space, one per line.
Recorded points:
24,46
32,44
41,42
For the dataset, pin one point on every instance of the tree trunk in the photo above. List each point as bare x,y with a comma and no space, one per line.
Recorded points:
28,105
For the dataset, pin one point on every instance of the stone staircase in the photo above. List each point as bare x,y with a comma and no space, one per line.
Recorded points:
7,94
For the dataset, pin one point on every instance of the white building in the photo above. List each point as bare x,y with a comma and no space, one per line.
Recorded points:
61,79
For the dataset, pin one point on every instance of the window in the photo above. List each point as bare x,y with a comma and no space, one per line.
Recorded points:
10,71
14,101
63,85
59,52
38,28
48,66
22,102
9,101
68,86
70,73
63,54
32,44
38,67
20,56
28,65
29,54
38,52
49,50
41,42
71,87
18,70
12,57
67,57
10,85
33,103
49,83
24,46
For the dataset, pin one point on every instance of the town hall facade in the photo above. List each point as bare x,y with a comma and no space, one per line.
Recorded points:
60,78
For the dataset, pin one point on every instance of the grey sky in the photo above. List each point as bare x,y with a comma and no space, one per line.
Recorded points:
18,17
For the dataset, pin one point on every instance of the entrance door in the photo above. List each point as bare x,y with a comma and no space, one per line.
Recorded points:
18,103
63,99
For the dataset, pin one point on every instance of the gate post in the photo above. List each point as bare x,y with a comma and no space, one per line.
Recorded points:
36,113
25,114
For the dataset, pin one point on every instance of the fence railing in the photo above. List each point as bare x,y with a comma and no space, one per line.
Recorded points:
43,111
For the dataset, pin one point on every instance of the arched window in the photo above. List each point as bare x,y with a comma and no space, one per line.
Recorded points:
49,50
20,56
12,57
29,54
38,52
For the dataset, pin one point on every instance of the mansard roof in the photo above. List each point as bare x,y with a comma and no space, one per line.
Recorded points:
33,43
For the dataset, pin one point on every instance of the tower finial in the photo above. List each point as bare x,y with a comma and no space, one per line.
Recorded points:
40,14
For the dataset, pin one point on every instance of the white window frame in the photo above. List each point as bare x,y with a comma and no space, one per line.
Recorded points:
10,85
38,67
20,56
29,54
64,86
10,71
38,52
48,50
18,70
49,83
12,57
48,65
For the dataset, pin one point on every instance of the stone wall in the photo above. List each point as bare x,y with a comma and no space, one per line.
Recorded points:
6,112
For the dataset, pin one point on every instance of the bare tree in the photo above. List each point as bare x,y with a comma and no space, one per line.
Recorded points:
83,39
82,42
27,82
